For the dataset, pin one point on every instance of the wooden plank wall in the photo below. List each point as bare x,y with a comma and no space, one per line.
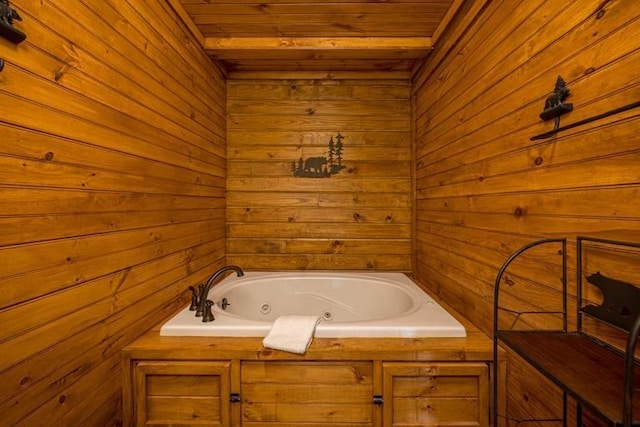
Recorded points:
357,219
112,181
484,189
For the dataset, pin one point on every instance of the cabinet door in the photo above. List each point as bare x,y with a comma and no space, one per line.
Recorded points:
182,393
424,394
313,393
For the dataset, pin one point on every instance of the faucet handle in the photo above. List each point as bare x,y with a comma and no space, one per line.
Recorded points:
194,299
208,314
199,302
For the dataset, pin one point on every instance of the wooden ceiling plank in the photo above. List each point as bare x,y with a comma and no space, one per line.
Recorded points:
315,55
222,44
318,9
319,75
325,39
390,19
318,30
223,3
316,66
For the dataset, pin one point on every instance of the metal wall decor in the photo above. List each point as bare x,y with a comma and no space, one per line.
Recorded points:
322,166
620,304
7,30
555,106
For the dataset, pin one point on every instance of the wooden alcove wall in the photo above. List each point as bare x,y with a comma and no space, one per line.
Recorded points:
357,219
112,197
483,189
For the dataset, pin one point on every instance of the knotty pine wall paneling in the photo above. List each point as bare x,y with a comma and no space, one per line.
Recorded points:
357,219
112,184
484,189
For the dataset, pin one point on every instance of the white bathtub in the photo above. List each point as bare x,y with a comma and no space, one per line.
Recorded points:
349,304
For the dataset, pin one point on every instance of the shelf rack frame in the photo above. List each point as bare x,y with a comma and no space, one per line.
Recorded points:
611,311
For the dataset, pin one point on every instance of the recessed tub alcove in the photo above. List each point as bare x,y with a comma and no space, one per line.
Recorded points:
399,379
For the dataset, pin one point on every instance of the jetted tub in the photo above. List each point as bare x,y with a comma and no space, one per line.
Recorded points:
349,305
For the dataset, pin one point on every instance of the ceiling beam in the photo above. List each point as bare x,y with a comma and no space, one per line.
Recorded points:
319,75
221,44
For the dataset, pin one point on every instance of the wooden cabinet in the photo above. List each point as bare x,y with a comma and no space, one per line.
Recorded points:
188,393
362,393
376,382
419,394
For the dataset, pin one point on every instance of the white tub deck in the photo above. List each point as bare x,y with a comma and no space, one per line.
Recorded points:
350,305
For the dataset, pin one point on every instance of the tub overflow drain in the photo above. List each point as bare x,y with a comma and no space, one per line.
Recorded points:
266,308
327,315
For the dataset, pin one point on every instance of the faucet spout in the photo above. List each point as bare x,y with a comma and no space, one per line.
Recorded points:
205,290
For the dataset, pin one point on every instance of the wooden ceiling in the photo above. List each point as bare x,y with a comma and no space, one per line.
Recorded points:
329,36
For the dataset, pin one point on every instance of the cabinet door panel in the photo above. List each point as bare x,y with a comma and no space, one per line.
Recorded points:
184,393
435,411
172,409
325,393
175,385
418,394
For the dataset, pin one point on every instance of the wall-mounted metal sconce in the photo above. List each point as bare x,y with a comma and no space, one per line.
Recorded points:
7,30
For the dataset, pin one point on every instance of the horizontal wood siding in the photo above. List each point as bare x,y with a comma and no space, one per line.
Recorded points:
357,219
435,394
484,189
314,393
112,182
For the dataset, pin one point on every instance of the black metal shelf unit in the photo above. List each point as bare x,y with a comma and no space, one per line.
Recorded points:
598,376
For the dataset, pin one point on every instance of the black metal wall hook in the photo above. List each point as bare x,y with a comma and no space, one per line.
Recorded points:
554,105
7,15
1,64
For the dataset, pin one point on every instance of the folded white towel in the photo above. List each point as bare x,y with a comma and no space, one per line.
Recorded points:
291,333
